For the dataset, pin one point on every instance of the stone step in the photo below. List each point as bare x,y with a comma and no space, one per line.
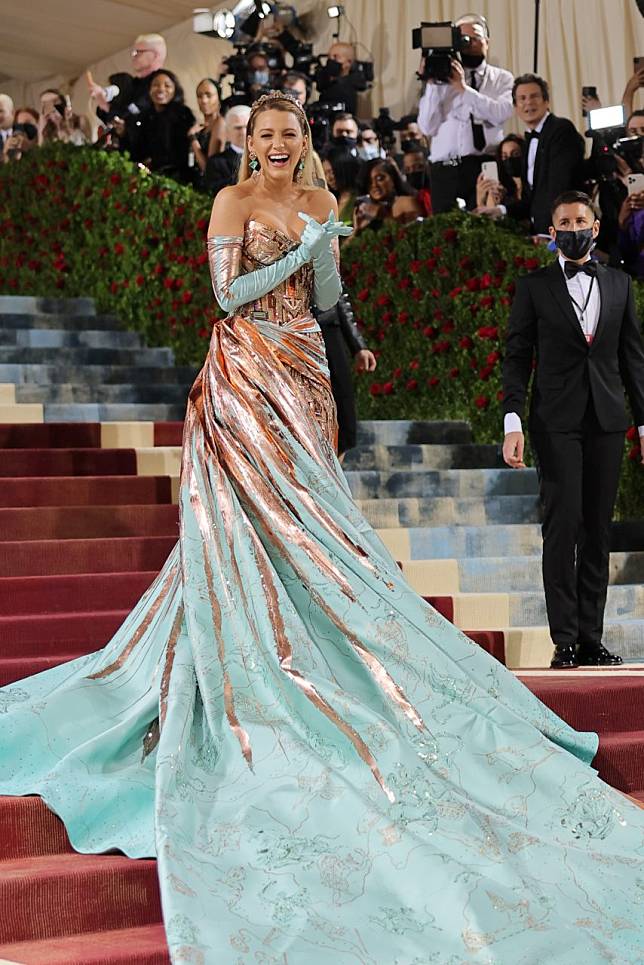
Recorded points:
624,602
61,338
401,432
112,412
135,393
53,374
386,458
87,356
513,574
57,320
442,510
36,305
427,483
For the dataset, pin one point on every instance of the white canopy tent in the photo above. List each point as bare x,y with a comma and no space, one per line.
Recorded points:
583,42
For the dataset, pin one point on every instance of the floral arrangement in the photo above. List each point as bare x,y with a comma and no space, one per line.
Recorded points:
432,299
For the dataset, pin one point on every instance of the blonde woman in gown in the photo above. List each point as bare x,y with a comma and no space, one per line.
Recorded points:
325,768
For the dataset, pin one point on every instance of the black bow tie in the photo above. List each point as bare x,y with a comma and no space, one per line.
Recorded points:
571,269
532,136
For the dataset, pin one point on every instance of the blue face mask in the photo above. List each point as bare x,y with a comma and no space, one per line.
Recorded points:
261,77
368,152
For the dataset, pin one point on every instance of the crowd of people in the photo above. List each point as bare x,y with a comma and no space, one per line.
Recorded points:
455,151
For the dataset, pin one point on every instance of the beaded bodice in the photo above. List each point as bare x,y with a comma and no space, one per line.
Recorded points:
292,298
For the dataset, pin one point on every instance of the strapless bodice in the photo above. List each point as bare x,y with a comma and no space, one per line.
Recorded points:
291,299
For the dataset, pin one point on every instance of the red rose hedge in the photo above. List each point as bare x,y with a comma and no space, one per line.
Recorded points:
432,299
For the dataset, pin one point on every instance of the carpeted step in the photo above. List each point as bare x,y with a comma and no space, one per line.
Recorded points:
37,374
87,522
66,894
67,462
620,759
427,483
115,555
17,668
399,432
168,433
66,338
442,510
36,304
143,945
384,458
48,634
113,411
84,491
52,435
73,591
80,357
606,704
30,829
82,392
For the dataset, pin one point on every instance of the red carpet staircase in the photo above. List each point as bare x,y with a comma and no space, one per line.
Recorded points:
81,537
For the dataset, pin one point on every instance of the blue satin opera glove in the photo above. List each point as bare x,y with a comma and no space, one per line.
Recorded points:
320,238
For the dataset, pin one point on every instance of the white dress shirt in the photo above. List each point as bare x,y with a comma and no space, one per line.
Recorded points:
579,289
533,147
444,114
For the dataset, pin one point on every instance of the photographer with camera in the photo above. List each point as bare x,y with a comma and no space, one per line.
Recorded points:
342,78
463,108
24,134
297,85
126,94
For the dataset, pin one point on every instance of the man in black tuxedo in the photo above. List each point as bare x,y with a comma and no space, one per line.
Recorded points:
222,169
577,319
553,156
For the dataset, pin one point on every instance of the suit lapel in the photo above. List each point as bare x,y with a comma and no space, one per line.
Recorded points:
541,143
557,284
603,280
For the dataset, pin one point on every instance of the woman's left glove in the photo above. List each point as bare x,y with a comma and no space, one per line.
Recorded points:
318,239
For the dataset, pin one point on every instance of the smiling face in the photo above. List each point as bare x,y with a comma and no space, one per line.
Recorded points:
381,185
208,98
161,91
329,174
278,142
530,104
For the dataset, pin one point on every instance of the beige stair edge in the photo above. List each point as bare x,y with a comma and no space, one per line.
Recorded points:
7,393
18,413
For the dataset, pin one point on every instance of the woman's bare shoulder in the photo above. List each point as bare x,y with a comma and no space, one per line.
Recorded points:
230,210
318,202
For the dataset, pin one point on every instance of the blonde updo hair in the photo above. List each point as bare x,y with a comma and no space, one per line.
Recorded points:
277,101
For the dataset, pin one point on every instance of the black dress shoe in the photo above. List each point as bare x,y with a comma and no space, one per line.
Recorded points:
564,657
594,655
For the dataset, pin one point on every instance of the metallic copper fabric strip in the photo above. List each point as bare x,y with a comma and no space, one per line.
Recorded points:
151,612
224,258
169,661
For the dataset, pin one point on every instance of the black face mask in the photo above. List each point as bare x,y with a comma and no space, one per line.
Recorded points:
472,61
410,144
416,180
574,244
513,166
29,130
343,140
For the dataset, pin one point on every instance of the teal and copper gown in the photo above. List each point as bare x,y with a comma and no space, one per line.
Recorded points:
324,767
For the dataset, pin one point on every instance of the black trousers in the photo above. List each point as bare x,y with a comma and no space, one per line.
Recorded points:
341,385
578,477
452,181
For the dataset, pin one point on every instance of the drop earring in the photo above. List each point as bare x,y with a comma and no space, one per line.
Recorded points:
253,163
300,169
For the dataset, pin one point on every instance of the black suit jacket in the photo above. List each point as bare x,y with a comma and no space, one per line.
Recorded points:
221,170
544,325
558,167
133,97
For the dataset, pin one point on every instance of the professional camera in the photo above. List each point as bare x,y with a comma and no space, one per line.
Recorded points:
440,43
244,85
328,79
610,141
321,117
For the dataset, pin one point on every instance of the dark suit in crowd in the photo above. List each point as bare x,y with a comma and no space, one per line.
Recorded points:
558,167
160,139
133,97
221,170
577,422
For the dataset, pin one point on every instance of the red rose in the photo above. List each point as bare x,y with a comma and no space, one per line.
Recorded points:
140,280
404,283
387,317
518,261
118,248
115,178
186,297
511,288
114,287
485,373
450,234
375,388
363,295
465,342
411,385
430,263
437,251
447,327
493,358
168,283
481,402
632,434
634,454
499,395
417,294
396,373
531,263
472,284
414,364
403,317
430,332
486,280
388,388
454,373
440,348
488,331
415,266
465,262
433,382
487,301
504,300
501,266
202,224
455,291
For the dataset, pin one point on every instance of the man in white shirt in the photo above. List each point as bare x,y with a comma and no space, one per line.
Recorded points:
6,119
575,322
464,117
